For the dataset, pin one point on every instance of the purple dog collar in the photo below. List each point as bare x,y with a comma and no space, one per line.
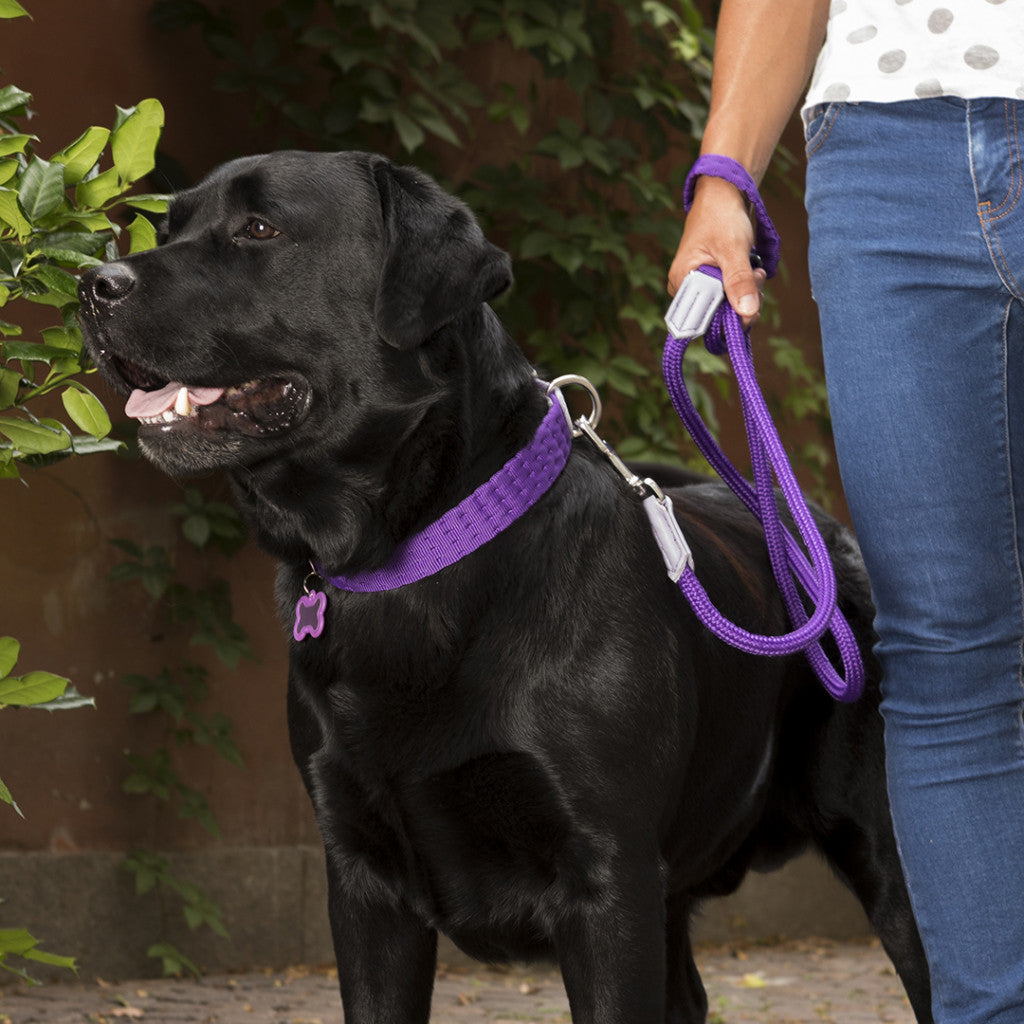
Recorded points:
490,509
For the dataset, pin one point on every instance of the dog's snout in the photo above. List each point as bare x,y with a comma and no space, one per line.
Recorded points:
107,285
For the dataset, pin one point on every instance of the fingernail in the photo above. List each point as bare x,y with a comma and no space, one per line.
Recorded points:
747,305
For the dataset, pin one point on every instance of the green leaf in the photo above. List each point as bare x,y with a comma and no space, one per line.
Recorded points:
94,446
14,143
52,959
32,352
13,100
11,215
9,650
42,188
149,869
7,798
34,688
142,233
94,193
69,700
133,144
80,157
67,339
12,9
196,528
60,287
9,382
173,960
89,243
34,438
71,258
86,411
410,134
16,940
150,203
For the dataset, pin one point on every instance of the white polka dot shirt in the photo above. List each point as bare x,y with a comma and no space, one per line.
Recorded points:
887,50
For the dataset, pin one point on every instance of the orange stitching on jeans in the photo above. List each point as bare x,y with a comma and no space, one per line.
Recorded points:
831,113
1016,180
1003,263
988,217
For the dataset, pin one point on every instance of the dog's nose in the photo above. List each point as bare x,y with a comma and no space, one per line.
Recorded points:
106,285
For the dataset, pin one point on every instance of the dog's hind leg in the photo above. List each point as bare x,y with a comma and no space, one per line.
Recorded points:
386,961
870,866
685,999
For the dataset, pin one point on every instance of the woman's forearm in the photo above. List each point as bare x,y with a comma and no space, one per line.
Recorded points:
764,54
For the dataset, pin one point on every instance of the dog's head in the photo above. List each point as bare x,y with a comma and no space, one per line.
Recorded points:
282,289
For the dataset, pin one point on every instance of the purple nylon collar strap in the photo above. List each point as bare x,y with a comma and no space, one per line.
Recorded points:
490,509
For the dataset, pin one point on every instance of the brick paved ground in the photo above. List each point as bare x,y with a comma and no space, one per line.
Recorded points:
792,983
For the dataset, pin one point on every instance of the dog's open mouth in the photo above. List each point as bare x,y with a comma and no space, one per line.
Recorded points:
257,408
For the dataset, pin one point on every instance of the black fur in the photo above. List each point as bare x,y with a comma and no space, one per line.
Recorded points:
538,751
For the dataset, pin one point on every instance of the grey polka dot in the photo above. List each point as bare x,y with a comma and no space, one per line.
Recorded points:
1020,92
902,2
928,89
862,35
981,57
892,61
940,19
838,7
836,93
995,1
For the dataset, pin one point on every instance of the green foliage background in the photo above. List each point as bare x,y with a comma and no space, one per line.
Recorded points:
567,127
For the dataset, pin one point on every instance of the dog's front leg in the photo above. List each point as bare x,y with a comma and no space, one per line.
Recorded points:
386,959
611,948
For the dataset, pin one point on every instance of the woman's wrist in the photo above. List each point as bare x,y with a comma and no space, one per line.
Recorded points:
717,167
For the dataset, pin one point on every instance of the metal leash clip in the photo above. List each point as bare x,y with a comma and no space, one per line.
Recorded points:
658,506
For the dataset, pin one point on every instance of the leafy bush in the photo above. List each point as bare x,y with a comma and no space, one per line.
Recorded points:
55,218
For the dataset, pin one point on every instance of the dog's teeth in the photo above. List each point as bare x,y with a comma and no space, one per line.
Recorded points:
168,417
182,406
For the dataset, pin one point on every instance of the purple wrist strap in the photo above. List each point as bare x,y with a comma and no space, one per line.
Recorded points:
491,508
767,244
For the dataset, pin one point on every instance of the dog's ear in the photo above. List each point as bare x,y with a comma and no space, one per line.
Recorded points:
436,263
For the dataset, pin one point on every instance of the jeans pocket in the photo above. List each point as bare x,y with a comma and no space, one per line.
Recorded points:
818,121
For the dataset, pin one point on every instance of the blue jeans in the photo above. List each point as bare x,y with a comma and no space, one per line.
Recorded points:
917,264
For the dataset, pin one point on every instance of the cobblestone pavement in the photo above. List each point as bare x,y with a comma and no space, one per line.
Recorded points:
792,983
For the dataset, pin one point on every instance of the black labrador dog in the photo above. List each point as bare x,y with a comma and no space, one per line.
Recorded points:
537,750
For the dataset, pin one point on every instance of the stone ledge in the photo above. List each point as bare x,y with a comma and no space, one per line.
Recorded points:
274,901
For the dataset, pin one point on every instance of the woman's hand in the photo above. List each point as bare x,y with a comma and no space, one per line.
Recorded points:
718,232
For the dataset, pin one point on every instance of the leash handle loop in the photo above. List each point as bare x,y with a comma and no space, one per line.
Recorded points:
789,563
767,246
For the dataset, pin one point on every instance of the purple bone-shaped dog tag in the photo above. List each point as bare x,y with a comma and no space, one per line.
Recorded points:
309,615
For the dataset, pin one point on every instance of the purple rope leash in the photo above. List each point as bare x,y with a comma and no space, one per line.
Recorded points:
789,563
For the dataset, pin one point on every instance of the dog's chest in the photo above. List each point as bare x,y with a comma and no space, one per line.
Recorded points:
456,817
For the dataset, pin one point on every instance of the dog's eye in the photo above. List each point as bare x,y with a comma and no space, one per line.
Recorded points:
259,229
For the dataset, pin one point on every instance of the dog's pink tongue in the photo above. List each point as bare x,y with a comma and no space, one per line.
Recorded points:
146,404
